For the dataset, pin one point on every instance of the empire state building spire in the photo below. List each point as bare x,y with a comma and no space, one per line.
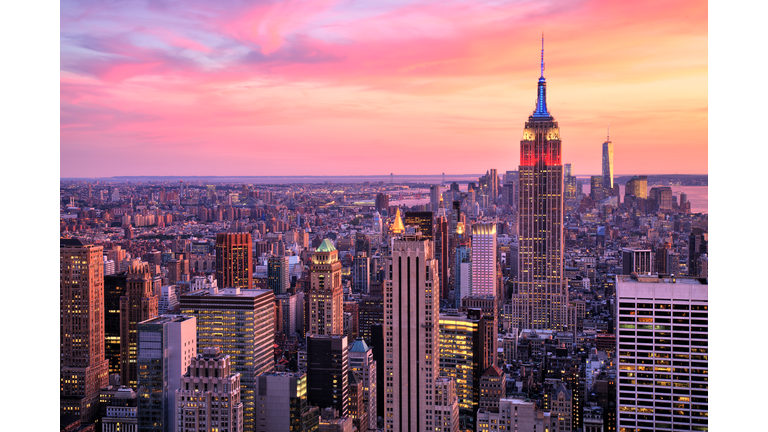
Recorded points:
541,101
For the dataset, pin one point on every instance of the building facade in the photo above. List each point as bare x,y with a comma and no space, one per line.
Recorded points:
234,260
484,282
242,323
139,303
662,350
167,344
541,298
83,366
208,397
326,294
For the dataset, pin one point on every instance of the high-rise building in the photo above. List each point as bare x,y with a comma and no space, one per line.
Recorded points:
541,297
664,319
608,164
361,273
114,288
638,261
493,185
462,284
516,415
242,323
282,404
208,398
596,189
326,294
434,198
286,309
422,220
446,408
120,415
484,260
442,242
411,326
465,353
83,367
697,246
328,369
637,186
363,366
139,303
277,274
234,260
382,201
167,344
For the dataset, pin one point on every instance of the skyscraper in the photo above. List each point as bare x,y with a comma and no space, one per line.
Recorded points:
541,299
83,366
328,372
138,304
608,164
209,395
411,327
167,344
325,295
667,320
277,273
484,260
362,364
242,323
234,260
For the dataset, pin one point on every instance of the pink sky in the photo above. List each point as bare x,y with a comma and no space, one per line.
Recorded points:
329,87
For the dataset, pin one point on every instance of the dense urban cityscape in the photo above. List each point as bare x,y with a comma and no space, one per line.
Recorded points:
512,301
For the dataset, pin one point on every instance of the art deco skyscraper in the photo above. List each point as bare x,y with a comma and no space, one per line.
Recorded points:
234,260
326,294
138,304
411,314
83,366
541,299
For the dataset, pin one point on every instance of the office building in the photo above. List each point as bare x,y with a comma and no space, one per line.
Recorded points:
169,300
637,186
697,247
167,344
493,387
484,260
208,398
277,274
422,220
286,310
361,273
364,367
541,297
328,369
662,353
596,189
83,368
121,413
139,303
446,408
382,202
242,323
608,164
442,252
638,261
516,415
234,260
434,198
412,340
326,293
282,404
114,288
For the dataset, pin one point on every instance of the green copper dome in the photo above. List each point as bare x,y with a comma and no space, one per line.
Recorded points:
325,246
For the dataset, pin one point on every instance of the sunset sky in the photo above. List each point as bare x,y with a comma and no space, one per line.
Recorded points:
228,87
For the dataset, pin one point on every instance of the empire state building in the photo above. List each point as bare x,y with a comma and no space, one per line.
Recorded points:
540,299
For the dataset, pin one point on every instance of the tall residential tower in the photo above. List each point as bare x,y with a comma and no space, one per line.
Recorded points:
540,299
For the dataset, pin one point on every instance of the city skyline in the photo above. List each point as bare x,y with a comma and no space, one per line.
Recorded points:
319,89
